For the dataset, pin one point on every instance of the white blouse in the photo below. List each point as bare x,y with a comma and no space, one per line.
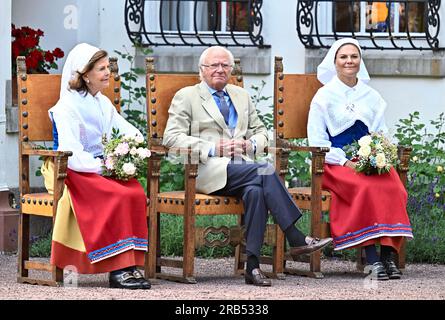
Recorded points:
81,121
336,107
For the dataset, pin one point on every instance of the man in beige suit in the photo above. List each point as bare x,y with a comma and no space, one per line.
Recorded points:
220,121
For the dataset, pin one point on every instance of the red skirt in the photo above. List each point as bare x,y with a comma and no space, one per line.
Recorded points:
111,215
366,209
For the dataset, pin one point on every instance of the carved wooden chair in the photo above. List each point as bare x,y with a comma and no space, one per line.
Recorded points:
36,94
188,203
293,94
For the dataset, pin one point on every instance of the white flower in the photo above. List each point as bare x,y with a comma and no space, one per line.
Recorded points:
139,139
380,160
415,159
439,168
127,138
364,151
109,163
364,141
143,153
379,146
133,151
122,149
129,168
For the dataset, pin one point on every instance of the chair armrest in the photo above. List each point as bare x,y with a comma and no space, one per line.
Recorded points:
47,153
404,154
308,149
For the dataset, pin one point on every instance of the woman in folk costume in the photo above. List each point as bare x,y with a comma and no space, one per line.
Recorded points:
366,209
106,230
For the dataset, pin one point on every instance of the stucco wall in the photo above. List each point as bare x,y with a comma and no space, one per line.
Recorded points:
8,149
101,22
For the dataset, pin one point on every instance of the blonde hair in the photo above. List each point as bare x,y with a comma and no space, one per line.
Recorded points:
78,83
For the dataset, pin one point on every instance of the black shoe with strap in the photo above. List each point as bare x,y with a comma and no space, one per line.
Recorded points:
123,279
145,284
376,271
392,270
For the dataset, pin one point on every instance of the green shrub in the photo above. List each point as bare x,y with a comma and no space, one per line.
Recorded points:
41,247
426,187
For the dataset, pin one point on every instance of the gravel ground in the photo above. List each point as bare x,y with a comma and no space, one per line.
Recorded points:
216,281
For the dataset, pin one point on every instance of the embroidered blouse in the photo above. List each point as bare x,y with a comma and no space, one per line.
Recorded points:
337,107
80,122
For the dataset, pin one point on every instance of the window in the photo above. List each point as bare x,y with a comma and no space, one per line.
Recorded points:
236,23
221,16
396,17
391,24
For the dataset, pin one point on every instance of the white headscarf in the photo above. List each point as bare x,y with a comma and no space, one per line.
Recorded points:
326,70
76,61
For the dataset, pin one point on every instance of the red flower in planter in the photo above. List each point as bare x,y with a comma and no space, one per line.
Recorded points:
26,43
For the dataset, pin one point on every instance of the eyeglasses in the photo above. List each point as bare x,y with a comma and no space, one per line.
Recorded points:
215,66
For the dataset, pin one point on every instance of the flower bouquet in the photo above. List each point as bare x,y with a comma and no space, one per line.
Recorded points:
373,154
124,156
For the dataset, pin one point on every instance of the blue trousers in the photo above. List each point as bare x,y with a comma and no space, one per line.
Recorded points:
262,191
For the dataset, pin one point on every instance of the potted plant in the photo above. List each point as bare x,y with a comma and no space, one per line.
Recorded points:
26,42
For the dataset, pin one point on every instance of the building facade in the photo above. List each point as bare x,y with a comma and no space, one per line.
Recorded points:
412,79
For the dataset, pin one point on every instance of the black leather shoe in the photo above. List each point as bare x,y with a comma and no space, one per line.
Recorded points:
145,284
392,270
376,271
314,245
257,278
123,280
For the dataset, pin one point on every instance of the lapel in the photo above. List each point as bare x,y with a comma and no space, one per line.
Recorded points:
240,107
209,104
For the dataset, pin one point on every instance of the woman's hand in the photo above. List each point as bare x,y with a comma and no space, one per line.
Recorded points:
350,164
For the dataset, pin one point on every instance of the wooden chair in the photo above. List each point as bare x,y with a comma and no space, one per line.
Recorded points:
37,93
293,94
188,203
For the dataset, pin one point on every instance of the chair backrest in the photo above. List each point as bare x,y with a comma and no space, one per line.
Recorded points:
161,88
39,92
293,94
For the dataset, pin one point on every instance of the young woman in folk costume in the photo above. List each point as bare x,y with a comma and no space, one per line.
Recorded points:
366,209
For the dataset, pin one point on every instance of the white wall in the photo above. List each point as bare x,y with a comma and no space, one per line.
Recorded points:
8,146
404,96
101,23
64,22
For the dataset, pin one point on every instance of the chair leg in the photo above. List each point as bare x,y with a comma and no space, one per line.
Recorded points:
189,249
23,246
150,261
278,254
57,275
158,244
360,259
401,256
239,250
239,263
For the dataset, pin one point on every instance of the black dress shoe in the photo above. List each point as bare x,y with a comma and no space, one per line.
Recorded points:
376,271
123,280
392,270
314,245
145,284
257,278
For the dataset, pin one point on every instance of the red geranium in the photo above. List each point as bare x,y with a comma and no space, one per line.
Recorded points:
26,43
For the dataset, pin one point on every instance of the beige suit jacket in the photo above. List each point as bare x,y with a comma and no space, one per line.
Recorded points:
195,121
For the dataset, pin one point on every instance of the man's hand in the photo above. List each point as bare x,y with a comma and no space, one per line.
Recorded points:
233,148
